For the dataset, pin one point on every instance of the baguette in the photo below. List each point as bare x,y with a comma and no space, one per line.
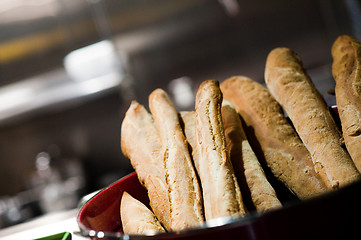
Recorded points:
245,162
140,143
189,127
137,218
263,196
293,89
221,192
184,190
281,148
346,70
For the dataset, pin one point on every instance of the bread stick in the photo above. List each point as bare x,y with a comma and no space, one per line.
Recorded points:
245,162
283,151
346,70
221,192
293,89
184,190
140,143
137,218
188,119
263,195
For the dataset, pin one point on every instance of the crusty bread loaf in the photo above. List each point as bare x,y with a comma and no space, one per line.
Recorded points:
243,159
137,218
184,190
288,82
282,149
221,192
245,162
189,125
140,142
346,70
188,119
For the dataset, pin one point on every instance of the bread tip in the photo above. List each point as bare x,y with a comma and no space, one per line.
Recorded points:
158,92
134,105
209,82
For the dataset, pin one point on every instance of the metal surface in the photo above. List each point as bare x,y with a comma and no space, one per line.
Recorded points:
82,78
36,35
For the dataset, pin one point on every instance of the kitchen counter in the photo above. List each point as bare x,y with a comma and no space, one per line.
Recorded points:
46,225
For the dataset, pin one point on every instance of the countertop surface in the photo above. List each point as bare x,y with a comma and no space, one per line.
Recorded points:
46,225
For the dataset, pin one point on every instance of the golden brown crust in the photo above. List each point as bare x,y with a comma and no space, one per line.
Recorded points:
245,162
137,218
346,70
221,193
140,143
184,190
283,151
189,127
293,89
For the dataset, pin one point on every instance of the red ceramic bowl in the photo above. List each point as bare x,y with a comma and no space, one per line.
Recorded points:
334,215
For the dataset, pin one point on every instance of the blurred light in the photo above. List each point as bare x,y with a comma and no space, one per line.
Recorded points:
92,233
181,89
14,214
10,98
100,235
42,161
88,71
93,61
26,10
231,7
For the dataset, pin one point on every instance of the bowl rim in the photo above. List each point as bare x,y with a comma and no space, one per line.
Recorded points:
218,223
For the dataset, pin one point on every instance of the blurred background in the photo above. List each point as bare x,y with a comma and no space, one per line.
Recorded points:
69,69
